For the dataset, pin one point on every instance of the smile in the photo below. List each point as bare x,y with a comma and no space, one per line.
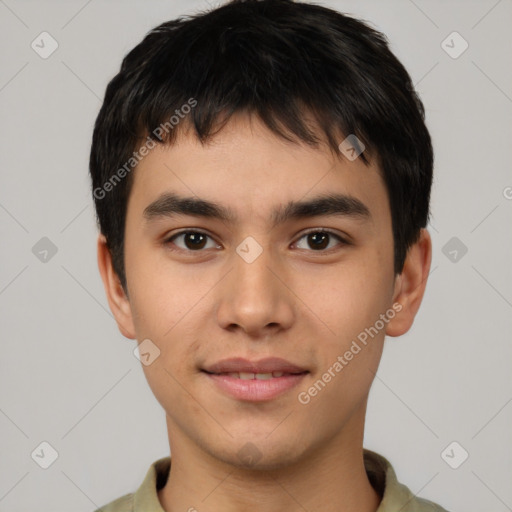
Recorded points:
251,376
255,387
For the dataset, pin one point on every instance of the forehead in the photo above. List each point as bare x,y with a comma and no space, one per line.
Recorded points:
251,171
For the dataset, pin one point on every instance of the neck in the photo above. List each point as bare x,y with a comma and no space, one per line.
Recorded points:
330,477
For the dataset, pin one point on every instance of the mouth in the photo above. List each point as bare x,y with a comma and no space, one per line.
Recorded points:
254,381
256,376
266,368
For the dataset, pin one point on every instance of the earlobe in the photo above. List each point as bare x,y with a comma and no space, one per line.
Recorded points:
117,300
410,285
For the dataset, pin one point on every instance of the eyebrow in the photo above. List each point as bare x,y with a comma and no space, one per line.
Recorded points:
170,204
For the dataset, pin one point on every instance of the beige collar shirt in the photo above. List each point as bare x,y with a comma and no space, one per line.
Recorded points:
396,497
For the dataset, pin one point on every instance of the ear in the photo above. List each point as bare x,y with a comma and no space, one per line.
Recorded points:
117,299
410,285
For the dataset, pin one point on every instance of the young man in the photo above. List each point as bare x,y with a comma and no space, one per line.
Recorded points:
262,175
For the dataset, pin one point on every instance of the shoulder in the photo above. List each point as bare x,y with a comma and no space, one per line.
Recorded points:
122,504
423,505
395,495
416,504
145,498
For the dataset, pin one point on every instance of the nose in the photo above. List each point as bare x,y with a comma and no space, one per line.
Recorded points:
255,297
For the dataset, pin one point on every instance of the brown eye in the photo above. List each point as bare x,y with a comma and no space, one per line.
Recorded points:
320,239
191,241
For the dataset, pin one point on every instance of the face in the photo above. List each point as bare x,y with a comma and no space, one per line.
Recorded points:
260,284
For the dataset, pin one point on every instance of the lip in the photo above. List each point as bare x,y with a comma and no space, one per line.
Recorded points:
266,365
255,390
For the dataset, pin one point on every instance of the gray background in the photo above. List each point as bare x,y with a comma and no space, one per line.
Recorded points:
69,378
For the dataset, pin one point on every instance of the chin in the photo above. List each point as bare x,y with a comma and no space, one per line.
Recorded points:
259,453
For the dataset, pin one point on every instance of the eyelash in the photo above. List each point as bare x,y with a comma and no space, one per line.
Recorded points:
168,241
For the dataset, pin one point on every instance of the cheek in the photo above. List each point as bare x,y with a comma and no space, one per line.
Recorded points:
348,300
160,297
350,306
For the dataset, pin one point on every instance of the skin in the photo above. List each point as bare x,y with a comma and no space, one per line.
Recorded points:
293,301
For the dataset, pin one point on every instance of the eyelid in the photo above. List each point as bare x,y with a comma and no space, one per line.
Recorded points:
342,239
168,238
